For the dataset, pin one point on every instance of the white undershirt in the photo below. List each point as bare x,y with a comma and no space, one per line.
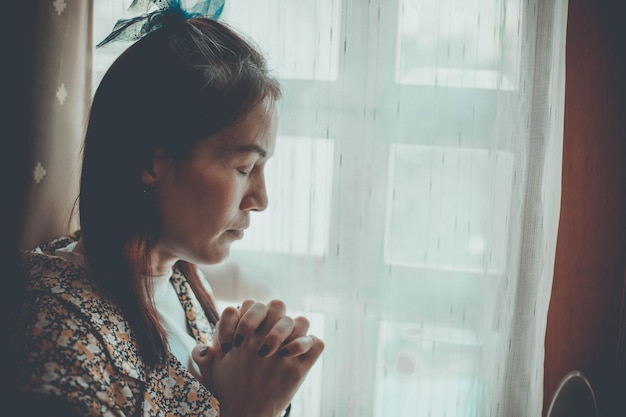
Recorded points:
174,322
168,306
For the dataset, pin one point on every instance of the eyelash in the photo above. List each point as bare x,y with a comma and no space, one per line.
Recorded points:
247,168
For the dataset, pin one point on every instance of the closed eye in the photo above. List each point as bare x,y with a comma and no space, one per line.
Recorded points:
245,170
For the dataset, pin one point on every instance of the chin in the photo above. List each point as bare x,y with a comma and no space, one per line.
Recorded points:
215,256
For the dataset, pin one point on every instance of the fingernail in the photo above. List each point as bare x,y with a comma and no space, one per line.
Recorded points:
238,340
203,351
263,351
225,347
283,352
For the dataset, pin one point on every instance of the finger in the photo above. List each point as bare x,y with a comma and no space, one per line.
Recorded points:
275,311
201,354
310,357
204,356
226,327
300,328
245,306
296,347
249,322
276,336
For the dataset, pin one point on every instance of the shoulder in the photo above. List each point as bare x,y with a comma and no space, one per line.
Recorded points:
44,270
74,343
66,356
62,356
64,303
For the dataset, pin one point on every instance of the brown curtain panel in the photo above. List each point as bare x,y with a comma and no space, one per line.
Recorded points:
60,92
46,90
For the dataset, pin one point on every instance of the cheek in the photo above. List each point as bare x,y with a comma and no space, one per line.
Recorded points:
216,197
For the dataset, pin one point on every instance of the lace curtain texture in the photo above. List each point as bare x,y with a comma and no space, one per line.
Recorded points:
414,192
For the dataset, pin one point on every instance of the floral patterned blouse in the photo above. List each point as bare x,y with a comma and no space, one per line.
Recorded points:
75,344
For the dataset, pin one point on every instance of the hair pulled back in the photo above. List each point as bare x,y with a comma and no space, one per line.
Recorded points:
171,89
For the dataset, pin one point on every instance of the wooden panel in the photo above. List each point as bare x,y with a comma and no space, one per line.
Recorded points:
585,316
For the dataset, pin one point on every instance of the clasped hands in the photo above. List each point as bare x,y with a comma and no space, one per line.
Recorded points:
258,359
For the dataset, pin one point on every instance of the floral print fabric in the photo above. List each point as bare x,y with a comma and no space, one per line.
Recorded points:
75,344
200,327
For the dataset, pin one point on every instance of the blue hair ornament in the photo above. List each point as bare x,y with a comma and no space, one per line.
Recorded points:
137,27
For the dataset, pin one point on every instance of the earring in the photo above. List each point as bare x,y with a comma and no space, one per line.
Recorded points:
147,189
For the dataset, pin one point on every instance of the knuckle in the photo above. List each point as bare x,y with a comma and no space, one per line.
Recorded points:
299,344
258,306
302,321
287,322
319,342
318,346
277,305
229,312
246,304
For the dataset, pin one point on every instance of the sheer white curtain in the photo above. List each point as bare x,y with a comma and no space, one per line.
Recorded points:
414,197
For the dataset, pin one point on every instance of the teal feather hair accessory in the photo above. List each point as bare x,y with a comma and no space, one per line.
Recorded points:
137,27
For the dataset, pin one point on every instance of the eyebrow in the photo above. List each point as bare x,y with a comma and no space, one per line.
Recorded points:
252,148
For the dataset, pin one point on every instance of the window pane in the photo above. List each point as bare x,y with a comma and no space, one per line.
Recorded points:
448,208
460,43
105,14
426,371
300,38
299,184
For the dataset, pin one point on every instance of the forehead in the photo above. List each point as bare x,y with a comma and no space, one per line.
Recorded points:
256,132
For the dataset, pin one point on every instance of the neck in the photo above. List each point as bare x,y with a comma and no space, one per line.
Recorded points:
162,263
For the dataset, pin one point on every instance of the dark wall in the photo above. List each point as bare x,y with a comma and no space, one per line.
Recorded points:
16,34
586,318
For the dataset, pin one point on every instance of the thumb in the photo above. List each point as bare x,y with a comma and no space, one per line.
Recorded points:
204,356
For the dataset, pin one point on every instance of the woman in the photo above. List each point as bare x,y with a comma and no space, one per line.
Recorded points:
119,320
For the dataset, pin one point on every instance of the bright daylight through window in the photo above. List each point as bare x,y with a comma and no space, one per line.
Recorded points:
391,172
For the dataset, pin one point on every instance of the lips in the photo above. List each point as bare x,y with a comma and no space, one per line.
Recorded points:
235,233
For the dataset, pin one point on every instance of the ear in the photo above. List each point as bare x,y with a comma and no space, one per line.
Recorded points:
151,174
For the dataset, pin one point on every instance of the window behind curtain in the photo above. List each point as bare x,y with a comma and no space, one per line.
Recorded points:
396,193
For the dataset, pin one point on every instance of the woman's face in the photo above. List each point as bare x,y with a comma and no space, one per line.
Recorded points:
205,201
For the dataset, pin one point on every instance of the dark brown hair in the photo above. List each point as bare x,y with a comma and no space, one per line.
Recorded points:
171,89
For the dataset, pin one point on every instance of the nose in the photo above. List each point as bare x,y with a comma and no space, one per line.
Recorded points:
256,197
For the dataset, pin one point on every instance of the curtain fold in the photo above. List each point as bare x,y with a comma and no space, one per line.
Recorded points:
415,195
523,382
